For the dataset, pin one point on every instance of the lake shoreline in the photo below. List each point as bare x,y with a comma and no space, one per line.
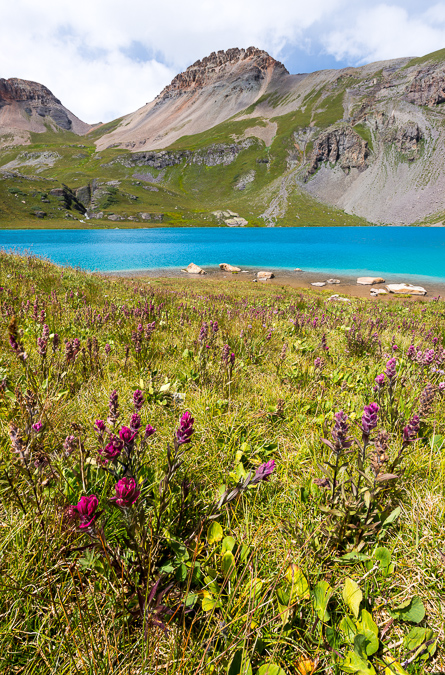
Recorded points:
298,280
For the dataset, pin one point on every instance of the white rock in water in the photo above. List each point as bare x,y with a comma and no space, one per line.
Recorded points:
229,268
193,269
333,281
318,283
406,288
369,281
265,275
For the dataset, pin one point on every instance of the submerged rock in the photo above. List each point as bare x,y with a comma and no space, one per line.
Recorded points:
229,268
369,281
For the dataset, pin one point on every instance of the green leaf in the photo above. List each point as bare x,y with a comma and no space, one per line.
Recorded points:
366,643
392,667
270,669
240,664
349,630
352,596
228,565
383,555
392,517
416,637
321,596
412,610
367,623
353,663
298,582
228,544
214,533
210,603
181,573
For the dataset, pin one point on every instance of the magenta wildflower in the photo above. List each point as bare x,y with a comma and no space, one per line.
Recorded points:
135,422
149,431
112,450
38,426
369,418
127,492
138,399
99,426
69,445
380,380
86,508
185,431
390,370
340,432
411,430
441,386
127,435
263,472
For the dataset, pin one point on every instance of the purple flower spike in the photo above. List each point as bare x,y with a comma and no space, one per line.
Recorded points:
112,451
127,492
38,426
149,431
127,435
86,508
441,386
99,426
411,430
263,472
380,380
135,422
340,431
138,399
390,371
185,431
369,418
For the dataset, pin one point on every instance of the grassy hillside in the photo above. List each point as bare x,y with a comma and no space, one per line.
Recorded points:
217,477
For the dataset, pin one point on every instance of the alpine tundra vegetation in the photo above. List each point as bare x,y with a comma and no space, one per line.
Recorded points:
215,477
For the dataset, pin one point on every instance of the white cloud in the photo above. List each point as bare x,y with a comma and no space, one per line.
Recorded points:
104,58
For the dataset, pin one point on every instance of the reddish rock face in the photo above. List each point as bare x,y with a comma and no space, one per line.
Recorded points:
255,62
15,89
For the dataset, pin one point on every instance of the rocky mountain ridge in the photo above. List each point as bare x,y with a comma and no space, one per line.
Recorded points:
235,132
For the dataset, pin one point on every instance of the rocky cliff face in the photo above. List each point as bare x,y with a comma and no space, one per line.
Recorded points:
256,63
339,145
427,87
209,92
29,106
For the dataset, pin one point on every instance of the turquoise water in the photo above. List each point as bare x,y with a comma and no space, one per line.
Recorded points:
413,251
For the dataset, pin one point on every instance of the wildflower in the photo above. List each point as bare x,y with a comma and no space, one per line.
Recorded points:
411,430
426,400
42,346
380,457
45,332
232,359
318,363
380,380
70,445
369,418
441,386
203,332
340,432
56,342
127,435
107,349
135,422
390,371
138,399
263,472
149,431
38,426
225,354
112,450
324,343
127,492
86,508
99,426
185,431
113,406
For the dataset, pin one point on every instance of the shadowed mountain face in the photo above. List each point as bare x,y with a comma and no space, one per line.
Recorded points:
29,106
236,134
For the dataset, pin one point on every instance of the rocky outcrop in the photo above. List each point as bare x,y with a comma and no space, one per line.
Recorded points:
370,281
213,155
225,267
68,199
405,138
193,269
408,289
203,72
427,87
26,105
339,146
265,275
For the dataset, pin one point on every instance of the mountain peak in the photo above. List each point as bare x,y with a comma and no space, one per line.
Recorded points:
218,65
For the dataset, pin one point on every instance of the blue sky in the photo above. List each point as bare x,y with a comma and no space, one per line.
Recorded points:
106,58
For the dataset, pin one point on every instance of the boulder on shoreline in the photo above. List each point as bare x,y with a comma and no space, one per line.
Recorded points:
318,283
265,275
406,288
369,281
229,268
333,281
378,291
193,269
